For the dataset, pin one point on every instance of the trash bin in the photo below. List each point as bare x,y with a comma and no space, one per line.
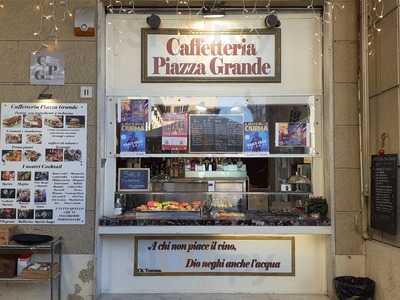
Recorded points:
354,288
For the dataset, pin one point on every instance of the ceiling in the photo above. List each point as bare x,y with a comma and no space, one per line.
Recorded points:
231,3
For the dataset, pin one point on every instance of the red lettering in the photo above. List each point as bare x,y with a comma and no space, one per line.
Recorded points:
170,46
158,63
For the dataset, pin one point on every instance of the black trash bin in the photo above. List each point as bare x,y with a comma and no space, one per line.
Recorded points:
354,288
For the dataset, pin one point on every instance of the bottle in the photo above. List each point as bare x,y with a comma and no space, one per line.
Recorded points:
207,164
192,165
214,165
117,205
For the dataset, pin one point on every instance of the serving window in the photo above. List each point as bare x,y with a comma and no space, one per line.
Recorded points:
207,160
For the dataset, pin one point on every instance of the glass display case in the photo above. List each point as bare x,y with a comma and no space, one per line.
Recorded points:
218,208
215,160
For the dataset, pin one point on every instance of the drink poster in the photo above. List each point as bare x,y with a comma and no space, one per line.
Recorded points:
43,163
256,137
174,132
133,138
133,111
296,134
133,116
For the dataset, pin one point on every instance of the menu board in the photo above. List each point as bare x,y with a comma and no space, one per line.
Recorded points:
216,133
43,165
133,179
384,193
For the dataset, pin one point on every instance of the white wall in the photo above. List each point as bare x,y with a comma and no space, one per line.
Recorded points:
117,270
301,57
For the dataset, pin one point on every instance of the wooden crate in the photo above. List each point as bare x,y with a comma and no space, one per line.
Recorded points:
31,274
6,233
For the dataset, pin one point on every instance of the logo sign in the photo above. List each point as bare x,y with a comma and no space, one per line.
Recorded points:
214,255
172,55
47,68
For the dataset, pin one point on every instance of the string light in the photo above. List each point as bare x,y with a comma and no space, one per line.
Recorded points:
375,13
2,5
51,14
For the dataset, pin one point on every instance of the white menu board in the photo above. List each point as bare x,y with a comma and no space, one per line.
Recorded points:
43,163
214,255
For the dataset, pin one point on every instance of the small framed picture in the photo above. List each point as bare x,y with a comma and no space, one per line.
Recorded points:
133,179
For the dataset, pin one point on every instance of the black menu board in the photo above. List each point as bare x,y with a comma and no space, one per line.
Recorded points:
133,179
216,133
384,193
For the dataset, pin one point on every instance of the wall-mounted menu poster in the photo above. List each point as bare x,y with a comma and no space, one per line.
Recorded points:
43,163
385,193
216,133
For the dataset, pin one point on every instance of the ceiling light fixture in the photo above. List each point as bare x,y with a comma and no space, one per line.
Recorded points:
153,21
272,21
212,13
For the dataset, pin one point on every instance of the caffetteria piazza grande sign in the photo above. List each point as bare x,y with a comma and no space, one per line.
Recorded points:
172,55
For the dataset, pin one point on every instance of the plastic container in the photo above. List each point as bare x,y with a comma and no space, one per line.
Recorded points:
23,262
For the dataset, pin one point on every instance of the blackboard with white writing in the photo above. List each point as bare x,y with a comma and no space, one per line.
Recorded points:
131,179
216,133
384,193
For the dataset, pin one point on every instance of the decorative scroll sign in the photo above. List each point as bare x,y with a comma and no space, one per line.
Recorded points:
172,55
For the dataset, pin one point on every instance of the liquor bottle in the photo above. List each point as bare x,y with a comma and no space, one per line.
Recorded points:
214,164
207,164
192,165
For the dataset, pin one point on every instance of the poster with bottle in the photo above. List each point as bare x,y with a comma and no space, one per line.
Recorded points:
294,134
133,111
43,163
174,132
256,137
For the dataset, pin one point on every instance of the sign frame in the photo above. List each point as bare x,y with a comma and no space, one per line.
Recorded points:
133,169
276,32
209,237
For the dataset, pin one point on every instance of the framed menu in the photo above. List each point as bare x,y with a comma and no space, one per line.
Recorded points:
133,179
216,133
385,193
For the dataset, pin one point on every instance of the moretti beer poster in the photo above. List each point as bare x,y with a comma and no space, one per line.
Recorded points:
191,56
43,163
212,255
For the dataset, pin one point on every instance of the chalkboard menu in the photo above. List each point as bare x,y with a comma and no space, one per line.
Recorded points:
216,133
133,179
384,193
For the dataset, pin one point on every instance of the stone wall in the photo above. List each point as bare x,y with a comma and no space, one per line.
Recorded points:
18,21
348,244
383,260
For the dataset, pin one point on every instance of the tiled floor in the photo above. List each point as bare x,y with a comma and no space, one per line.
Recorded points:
211,297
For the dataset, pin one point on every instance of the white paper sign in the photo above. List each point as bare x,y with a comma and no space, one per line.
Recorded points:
189,55
43,163
47,68
208,255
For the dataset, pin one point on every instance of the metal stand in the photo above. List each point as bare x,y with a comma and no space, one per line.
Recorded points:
54,248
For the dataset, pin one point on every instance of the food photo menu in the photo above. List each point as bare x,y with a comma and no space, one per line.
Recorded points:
43,163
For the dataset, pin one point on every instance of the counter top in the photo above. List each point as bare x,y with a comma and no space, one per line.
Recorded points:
226,230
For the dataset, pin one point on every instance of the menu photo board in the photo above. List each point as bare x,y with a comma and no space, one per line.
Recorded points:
216,133
385,180
43,163
133,179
